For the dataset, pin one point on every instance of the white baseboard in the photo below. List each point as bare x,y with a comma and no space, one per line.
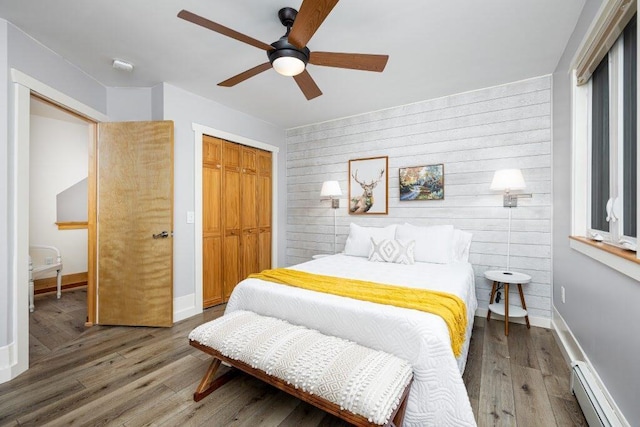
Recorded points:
541,322
5,363
9,366
185,307
572,351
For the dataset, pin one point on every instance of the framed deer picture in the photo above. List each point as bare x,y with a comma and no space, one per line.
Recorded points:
369,186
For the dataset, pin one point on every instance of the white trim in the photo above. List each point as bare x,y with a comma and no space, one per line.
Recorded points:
605,28
624,266
185,307
580,147
8,365
198,132
542,322
572,351
23,85
57,96
18,357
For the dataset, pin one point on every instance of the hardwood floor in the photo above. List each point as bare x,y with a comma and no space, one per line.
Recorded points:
519,380
134,376
56,322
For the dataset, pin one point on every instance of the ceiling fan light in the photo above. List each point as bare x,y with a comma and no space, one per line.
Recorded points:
288,65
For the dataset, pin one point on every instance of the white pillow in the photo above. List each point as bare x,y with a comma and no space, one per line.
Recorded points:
395,251
433,243
461,245
359,240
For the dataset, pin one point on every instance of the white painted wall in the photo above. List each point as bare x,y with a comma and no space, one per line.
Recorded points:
129,104
59,158
473,134
21,52
186,108
601,303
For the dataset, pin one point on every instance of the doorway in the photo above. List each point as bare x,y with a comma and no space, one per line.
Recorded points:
58,218
23,87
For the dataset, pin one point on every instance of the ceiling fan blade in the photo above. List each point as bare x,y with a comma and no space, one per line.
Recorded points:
221,29
310,16
307,85
245,75
355,61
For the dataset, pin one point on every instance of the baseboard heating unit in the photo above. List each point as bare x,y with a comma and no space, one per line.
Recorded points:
594,404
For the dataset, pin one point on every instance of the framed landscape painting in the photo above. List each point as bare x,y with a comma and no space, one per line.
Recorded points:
368,186
422,183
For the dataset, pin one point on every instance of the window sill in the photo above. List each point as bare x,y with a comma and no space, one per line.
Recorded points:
72,225
626,262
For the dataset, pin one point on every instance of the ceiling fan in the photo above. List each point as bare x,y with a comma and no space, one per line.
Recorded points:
289,55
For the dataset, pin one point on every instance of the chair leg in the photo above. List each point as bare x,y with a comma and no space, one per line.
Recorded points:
59,283
32,306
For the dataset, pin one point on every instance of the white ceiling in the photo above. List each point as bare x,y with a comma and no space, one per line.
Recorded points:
436,48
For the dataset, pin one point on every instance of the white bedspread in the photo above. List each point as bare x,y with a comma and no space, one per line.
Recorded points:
438,396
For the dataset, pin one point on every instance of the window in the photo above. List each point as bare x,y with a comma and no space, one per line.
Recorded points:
612,116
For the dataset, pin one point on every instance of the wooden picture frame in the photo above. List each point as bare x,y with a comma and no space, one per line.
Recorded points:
369,186
422,182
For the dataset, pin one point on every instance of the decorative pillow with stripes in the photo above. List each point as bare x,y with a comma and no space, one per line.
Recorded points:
397,251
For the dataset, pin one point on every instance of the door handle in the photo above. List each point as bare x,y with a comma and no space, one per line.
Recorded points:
162,235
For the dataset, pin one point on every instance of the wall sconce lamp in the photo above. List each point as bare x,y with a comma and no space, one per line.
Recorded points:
331,190
507,180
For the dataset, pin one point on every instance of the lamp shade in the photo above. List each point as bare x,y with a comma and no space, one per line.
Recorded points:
508,179
330,189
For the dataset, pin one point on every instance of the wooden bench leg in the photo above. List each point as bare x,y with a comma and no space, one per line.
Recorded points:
399,418
208,384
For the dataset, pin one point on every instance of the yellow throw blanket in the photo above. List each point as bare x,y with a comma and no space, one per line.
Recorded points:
451,308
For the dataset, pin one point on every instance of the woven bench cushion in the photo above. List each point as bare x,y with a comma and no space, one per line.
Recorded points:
361,380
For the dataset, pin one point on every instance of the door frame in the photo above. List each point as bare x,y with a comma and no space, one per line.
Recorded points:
24,85
199,131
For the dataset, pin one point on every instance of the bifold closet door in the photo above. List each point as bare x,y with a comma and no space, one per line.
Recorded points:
264,210
249,211
236,216
232,256
212,290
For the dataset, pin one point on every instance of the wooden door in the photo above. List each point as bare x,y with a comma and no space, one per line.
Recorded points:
249,212
212,286
232,259
264,210
135,201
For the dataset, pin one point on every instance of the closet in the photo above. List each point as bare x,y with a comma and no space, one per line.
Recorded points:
236,184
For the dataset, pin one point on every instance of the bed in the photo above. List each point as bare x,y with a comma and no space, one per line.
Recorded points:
438,395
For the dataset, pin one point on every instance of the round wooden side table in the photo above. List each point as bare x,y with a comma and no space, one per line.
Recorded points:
507,278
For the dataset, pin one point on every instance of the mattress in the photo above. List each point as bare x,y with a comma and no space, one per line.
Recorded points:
438,396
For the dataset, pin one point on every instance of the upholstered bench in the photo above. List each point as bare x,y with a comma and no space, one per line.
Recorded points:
355,383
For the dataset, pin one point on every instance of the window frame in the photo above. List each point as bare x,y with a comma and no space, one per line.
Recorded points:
608,20
615,233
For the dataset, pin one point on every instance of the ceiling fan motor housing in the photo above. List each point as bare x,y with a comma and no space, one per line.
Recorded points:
282,48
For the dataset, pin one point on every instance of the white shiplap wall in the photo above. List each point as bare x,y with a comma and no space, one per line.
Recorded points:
473,134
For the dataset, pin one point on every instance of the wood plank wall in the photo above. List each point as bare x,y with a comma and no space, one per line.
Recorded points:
473,134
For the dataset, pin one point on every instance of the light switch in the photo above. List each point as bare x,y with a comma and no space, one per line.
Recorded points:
191,217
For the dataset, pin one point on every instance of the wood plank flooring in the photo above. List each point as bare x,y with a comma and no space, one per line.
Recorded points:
127,376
